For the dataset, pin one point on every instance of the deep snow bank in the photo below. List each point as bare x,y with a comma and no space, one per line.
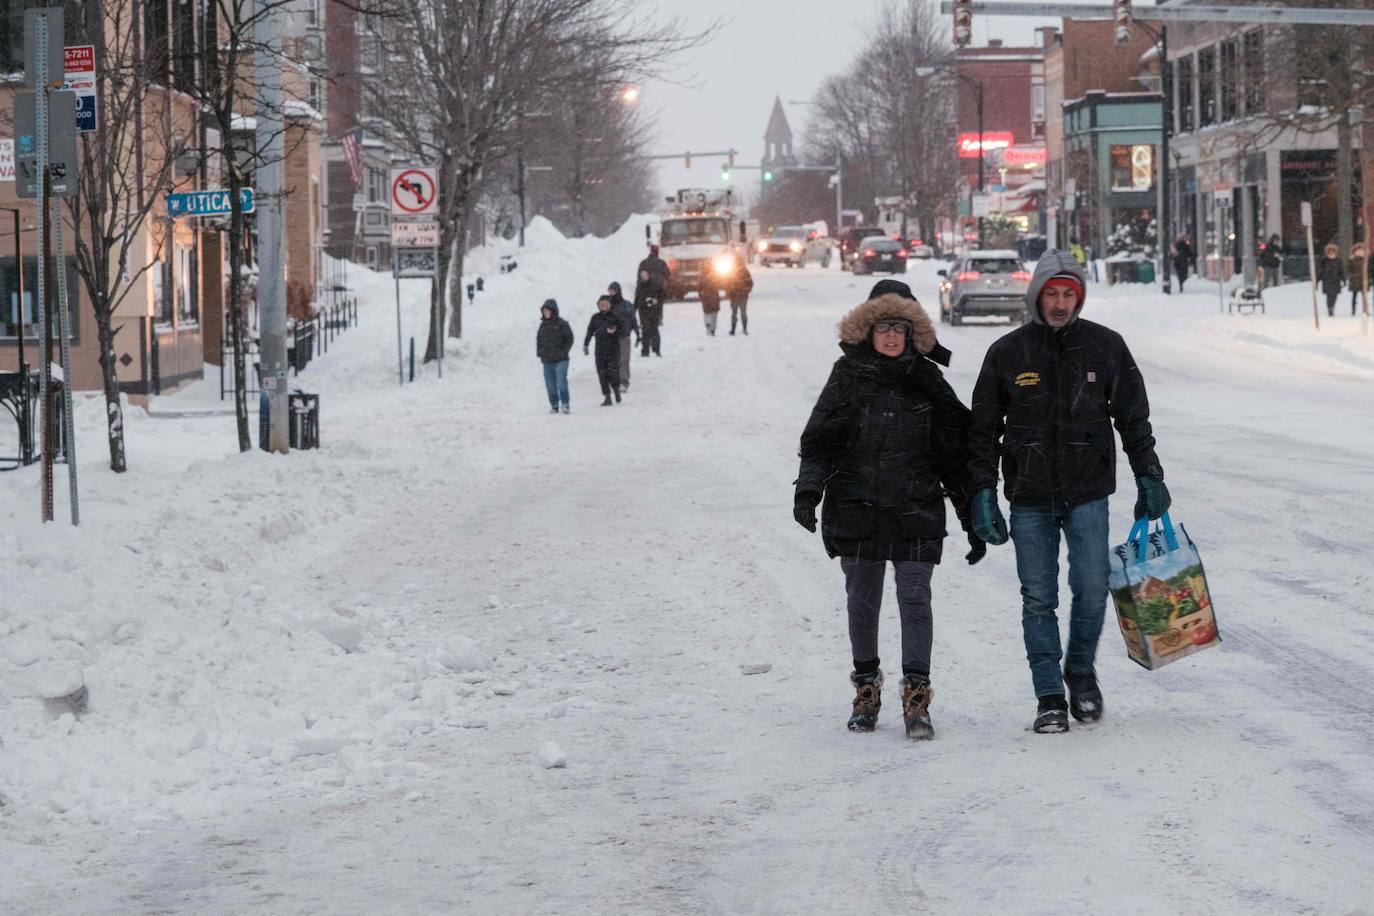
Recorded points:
185,643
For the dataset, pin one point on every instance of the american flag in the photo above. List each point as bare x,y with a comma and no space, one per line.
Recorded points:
352,146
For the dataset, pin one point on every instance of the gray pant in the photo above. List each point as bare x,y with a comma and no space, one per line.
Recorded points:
863,583
625,344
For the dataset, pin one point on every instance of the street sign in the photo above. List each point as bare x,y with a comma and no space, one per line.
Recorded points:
1070,201
6,160
78,71
417,234
54,48
414,192
1306,208
214,202
61,144
981,205
416,262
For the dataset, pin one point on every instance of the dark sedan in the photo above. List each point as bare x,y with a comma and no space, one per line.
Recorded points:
880,254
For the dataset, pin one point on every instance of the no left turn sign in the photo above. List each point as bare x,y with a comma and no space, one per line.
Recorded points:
414,192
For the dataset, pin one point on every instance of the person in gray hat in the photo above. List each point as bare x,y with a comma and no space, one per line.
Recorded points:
1046,400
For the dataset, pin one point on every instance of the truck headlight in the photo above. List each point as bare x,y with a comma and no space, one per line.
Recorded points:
795,246
723,264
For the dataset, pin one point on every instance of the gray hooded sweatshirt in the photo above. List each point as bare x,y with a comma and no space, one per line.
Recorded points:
1053,263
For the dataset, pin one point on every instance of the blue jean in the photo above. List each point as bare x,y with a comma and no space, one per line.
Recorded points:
1035,532
556,381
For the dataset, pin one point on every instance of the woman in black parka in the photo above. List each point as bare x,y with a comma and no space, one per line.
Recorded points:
884,447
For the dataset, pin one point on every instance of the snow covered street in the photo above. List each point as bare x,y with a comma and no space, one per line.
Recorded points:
327,682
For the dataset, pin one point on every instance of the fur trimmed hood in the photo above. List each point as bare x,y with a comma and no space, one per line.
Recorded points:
855,327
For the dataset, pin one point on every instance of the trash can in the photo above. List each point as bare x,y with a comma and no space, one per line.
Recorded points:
305,420
1145,272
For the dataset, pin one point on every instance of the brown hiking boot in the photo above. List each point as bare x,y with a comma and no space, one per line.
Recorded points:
868,699
916,696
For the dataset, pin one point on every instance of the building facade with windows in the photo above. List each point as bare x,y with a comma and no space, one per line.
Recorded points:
1110,165
1236,160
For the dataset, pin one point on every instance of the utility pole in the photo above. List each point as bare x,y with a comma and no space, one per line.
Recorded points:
520,189
271,281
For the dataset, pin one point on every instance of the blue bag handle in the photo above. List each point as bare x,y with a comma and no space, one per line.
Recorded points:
1140,535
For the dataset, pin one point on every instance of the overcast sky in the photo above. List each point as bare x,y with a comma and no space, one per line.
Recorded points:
765,48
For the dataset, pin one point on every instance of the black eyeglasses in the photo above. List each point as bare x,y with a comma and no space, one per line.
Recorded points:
884,327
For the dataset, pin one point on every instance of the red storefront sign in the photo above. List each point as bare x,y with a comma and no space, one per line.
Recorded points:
992,139
1024,155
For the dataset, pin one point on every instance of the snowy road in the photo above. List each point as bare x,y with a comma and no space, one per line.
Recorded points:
601,580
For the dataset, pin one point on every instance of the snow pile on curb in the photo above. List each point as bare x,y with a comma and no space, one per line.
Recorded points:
181,646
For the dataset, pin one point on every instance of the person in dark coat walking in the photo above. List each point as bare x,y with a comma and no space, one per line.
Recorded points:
740,288
649,295
1045,403
1271,262
885,446
1184,258
1359,276
658,267
626,310
607,328
1331,277
552,344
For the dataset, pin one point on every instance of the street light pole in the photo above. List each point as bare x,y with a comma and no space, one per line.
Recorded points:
520,189
982,153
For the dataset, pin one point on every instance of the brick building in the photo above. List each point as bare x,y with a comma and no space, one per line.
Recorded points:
1012,84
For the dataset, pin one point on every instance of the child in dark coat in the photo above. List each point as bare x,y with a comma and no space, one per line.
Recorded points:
607,328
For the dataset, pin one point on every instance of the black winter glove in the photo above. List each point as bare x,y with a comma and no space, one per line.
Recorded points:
804,510
978,549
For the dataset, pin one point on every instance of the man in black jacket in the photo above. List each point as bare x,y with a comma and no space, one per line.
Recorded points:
552,344
1046,400
607,327
626,310
651,290
884,447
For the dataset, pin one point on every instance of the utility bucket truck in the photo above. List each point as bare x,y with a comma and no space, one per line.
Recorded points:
702,239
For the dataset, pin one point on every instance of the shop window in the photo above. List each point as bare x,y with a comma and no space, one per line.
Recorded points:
1230,76
1133,168
1183,83
9,300
1207,86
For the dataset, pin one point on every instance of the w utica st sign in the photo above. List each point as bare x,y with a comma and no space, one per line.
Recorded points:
207,203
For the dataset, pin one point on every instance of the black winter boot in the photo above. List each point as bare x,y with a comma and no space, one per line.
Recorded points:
1052,716
916,697
868,699
607,402
617,395
1085,697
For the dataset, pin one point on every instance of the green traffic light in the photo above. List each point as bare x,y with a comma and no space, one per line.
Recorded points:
767,176
724,174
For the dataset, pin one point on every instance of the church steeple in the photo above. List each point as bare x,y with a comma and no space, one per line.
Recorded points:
777,139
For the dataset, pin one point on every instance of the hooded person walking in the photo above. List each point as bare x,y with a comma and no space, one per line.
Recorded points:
552,344
885,446
1331,277
626,310
607,328
651,288
1045,403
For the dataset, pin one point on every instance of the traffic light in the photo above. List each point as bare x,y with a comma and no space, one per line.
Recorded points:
1122,15
725,173
730,160
767,175
963,22
687,160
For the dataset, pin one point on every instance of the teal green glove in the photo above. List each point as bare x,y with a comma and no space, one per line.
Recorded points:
1153,499
988,522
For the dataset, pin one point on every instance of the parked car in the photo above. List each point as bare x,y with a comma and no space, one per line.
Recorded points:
879,253
850,239
985,284
917,249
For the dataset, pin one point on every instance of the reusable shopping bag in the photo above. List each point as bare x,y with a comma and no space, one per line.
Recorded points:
1160,591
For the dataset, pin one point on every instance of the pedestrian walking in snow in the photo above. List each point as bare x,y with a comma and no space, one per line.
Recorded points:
1359,276
626,310
1271,262
883,448
710,308
552,344
1331,277
1045,402
740,287
649,293
1183,260
606,327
